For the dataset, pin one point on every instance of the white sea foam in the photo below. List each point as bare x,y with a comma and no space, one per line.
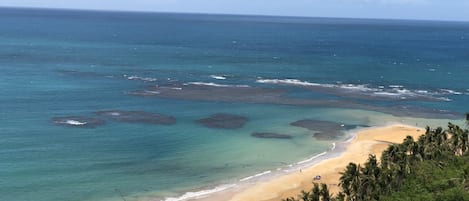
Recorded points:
383,93
392,91
173,88
254,176
350,87
199,194
287,81
444,99
151,92
422,91
354,87
214,84
146,79
75,122
333,146
115,113
449,91
218,77
312,158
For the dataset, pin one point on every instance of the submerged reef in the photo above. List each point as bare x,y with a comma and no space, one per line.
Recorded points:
78,121
268,95
325,130
271,135
223,121
137,117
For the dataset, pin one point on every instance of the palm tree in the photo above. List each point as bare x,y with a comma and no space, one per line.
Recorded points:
428,135
420,147
385,159
467,119
435,143
412,147
457,143
340,197
350,181
326,196
393,151
315,193
440,136
398,162
386,180
403,166
465,141
305,195
369,178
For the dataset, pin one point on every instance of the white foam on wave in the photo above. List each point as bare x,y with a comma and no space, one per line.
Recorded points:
392,91
151,92
287,81
444,99
256,175
173,88
146,79
75,122
199,194
115,113
214,84
333,146
350,87
312,158
423,91
218,77
449,91
355,87
403,93
383,93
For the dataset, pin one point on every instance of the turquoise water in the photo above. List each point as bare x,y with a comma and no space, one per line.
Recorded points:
75,63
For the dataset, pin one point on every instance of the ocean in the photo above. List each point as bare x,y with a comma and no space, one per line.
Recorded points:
107,106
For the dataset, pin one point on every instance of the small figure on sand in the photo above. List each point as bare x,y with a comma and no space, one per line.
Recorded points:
317,177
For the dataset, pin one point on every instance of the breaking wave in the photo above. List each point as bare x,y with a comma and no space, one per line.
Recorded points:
287,81
256,175
145,79
75,123
193,195
312,158
214,84
364,90
218,77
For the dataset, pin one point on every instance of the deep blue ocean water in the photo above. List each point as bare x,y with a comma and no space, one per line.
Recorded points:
273,70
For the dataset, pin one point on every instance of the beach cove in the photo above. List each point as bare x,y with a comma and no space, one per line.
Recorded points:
365,142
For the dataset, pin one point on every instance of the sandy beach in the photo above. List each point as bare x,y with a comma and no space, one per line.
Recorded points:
367,141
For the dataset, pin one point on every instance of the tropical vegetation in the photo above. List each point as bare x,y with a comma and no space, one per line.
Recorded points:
434,167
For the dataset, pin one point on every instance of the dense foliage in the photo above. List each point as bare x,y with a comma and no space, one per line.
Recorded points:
433,167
